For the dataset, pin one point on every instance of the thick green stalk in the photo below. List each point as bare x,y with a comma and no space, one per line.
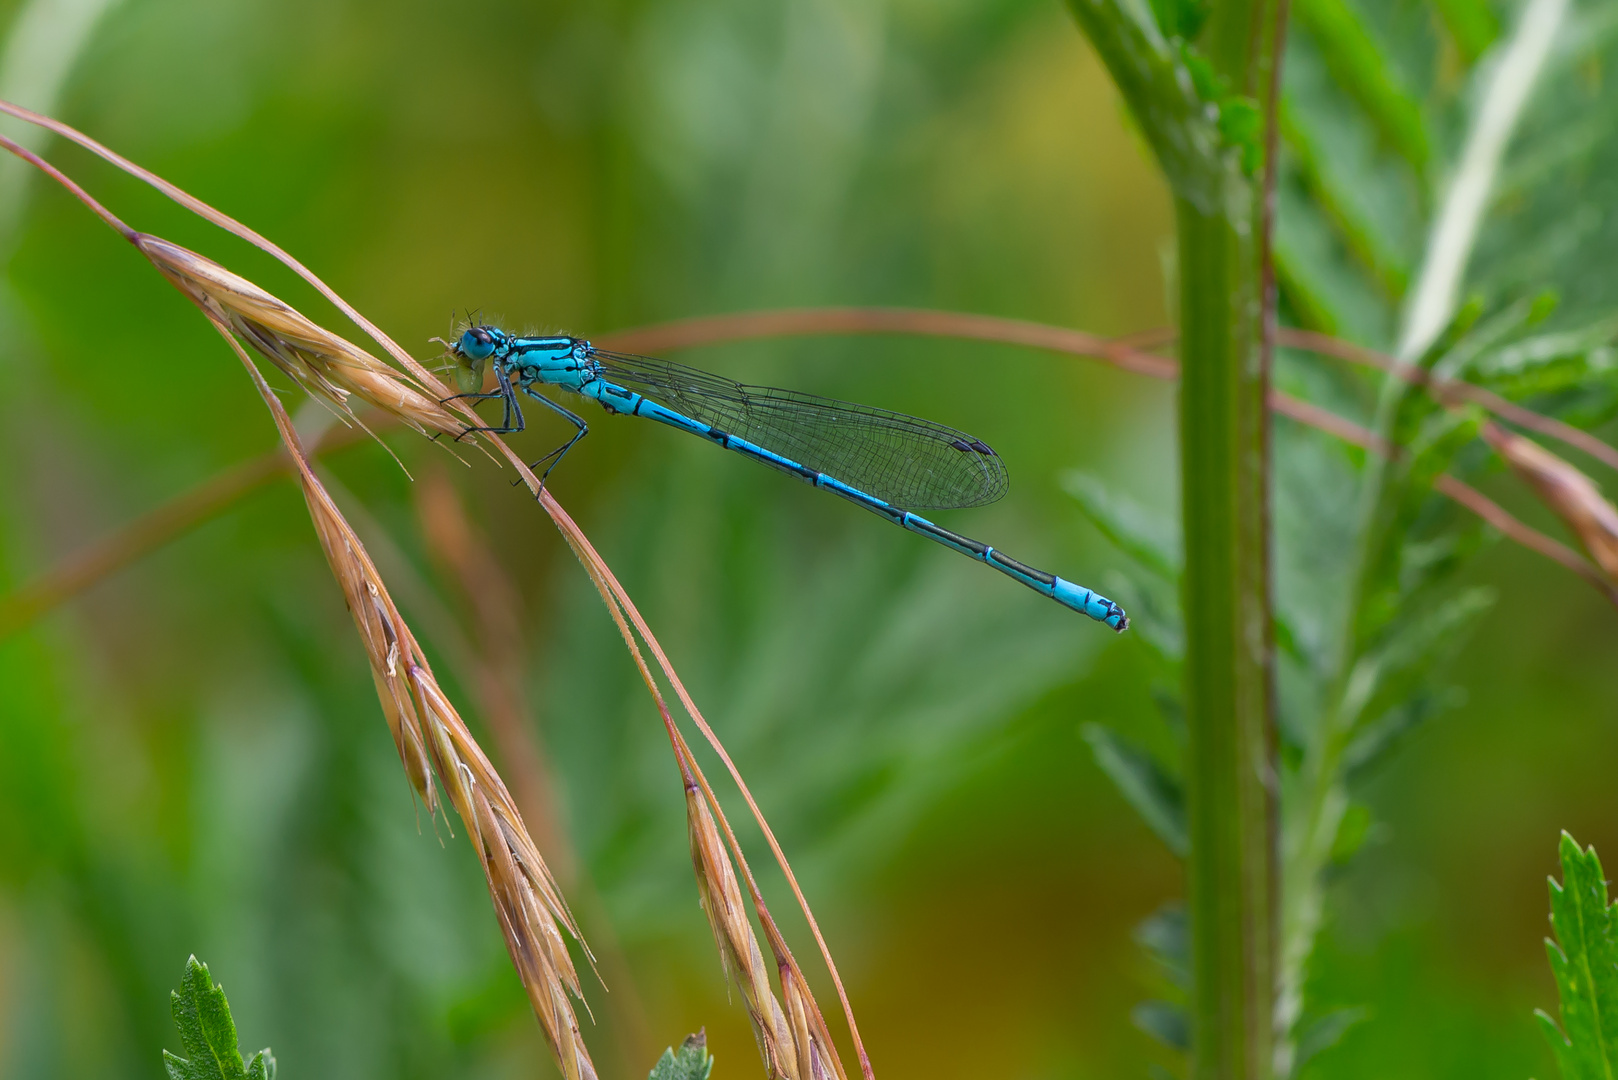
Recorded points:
1226,312
1233,873
1232,868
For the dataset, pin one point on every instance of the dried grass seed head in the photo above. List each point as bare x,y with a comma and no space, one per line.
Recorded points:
432,738
324,364
721,897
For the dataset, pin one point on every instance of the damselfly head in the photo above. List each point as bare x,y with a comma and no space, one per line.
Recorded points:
477,342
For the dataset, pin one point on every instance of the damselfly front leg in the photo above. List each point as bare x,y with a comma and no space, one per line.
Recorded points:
508,395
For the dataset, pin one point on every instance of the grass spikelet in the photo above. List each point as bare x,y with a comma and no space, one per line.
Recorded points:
1567,491
324,364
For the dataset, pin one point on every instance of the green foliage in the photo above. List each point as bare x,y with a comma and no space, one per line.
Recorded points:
692,1062
1379,101
208,1034
1584,960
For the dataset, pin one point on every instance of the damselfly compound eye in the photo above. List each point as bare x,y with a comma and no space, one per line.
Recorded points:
476,343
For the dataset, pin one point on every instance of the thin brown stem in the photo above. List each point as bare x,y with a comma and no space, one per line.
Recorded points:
1125,353
79,193
1451,390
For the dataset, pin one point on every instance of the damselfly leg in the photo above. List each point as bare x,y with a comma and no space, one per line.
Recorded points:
555,456
508,396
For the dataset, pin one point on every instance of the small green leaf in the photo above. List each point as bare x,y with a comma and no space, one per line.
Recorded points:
1180,18
1242,125
1168,1023
1472,25
1154,794
1165,934
692,1062
1352,832
1584,959
208,1034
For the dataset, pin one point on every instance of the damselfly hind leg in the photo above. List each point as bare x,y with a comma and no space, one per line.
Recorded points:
555,456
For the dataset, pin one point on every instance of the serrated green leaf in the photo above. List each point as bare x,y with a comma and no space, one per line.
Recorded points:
691,1062
1584,960
262,1067
1155,795
208,1034
1147,537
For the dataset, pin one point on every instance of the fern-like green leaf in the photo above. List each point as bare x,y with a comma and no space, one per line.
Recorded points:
1584,959
208,1034
1150,539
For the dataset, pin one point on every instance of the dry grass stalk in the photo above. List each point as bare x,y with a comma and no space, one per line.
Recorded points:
1569,493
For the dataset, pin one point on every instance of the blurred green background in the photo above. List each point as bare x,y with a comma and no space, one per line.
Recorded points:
191,755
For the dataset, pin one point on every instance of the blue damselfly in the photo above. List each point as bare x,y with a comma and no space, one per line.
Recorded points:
889,463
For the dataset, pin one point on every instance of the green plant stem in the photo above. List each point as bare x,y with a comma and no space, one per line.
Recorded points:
1226,313
1231,799
1226,327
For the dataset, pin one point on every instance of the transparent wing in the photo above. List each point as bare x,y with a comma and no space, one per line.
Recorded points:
902,460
